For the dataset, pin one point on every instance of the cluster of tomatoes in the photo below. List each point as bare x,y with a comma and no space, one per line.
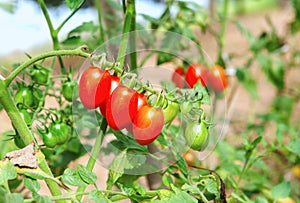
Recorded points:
123,107
214,77
29,99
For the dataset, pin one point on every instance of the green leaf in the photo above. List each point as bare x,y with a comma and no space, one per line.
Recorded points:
32,185
72,41
8,6
87,176
98,197
211,186
13,197
116,168
260,200
72,177
244,76
167,180
294,147
43,199
7,171
85,27
150,19
129,142
281,190
72,4
201,93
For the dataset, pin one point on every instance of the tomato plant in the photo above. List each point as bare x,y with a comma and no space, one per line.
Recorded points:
94,86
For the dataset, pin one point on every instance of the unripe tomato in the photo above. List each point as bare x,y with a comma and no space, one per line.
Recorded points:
26,116
178,77
196,72
94,86
186,107
148,124
39,75
115,82
196,135
24,96
117,107
67,89
170,112
217,78
60,131
49,139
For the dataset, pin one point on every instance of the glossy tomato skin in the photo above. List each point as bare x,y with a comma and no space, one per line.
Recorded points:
147,124
49,140
217,78
178,77
94,86
170,112
115,82
137,101
196,72
117,107
39,75
196,135
67,89
24,96
61,131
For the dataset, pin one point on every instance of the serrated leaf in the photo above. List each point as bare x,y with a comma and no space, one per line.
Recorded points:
281,190
7,171
72,177
87,176
32,185
72,4
116,168
13,197
129,142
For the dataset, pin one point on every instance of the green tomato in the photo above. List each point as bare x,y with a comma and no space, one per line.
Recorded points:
170,112
186,107
196,135
24,96
67,89
26,116
49,140
61,131
39,75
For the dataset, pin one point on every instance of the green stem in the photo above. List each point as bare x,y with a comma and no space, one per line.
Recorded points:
80,51
100,21
53,32
126,29
132,42
95,152
221,37
69,17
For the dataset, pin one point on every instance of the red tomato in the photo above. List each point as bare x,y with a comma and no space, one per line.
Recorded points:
115,82
137,101
117,107
178,77
196,72
217,78
94,87
147,124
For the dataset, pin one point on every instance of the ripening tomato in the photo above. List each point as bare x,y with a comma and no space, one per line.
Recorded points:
196,135
117,107
178,77
137,101
217,78
171,112
115,82
94,86
147,124
196,72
